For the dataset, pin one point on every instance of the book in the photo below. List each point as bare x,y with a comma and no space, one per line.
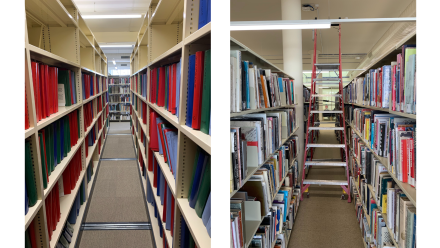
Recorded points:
31,187
206,94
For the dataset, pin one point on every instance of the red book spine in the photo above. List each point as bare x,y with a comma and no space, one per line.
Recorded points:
412,163
46,90
154,145
26,114
161,93
31,229
198,86
36,84
404,152
150,160
42,92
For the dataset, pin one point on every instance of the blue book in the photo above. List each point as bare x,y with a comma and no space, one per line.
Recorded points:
83,88
168,213
72,215
190,93
203,12
158,121
185,230
208,227
55,144
163,185
201,165
278,219
84,190
207,211
155,210
208,19
178,87
149,192
174,153
158,179
26,200
285,193
159,223
246,77
372,135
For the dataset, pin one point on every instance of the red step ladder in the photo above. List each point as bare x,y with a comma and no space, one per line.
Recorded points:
313,125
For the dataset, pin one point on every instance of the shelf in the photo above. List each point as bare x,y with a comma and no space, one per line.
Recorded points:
406,188
92,179
62,111
205,30
59,169
50,58
166,13
118,94
66,203
144,181
77,226
194,223
93,123
166,172
159,209
260,110
251,229
412,116
201,139
389,230
143,126
92,148
31,213
28,132
92,97
92,71
170,52
155,226
254,169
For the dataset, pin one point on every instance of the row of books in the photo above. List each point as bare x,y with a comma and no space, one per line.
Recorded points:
53,212
56,141
254,88
388,135
390,86
71,175
163,139
165,87
53,87
120,98
163,191
88,88
119,81
256,136
119,116
198,107
306,94
31,195
124,90
89,114
204,13
119,107
277,219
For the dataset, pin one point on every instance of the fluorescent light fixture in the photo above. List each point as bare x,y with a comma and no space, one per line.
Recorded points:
324,87
110,16
114,63
279,26
116,68
116,45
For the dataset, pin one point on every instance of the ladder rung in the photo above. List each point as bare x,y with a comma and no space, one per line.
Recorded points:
326,111
327,145
327,66
325,182
326,128
326,163
324,95
327,79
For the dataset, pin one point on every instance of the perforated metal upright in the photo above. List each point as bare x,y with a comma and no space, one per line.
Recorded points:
314,126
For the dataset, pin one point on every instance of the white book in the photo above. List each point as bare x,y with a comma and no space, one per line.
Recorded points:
252,91
233,83
238,101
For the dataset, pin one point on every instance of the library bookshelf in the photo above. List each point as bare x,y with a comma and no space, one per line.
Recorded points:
255,219
407,189
117,99
56,35
168,35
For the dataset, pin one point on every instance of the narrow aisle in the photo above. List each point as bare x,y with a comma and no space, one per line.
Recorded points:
323,219
117,197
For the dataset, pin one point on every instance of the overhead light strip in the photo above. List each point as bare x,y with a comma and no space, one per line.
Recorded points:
116,45
110,16
308,24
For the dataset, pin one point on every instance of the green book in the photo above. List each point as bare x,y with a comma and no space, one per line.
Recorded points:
206,94
63,78
43,160
27,240
196,159
31,186
191,241
205,188
58,144
49,148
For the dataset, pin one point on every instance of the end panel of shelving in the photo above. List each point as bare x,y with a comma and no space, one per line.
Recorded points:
163,37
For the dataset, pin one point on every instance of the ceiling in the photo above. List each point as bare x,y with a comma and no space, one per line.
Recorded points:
357,39
114,31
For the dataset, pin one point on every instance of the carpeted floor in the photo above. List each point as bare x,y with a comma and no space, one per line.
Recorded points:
117,196
116,239
323,219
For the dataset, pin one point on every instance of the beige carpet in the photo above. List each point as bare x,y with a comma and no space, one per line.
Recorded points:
119,128
116,239
119,146
117,196
323,219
